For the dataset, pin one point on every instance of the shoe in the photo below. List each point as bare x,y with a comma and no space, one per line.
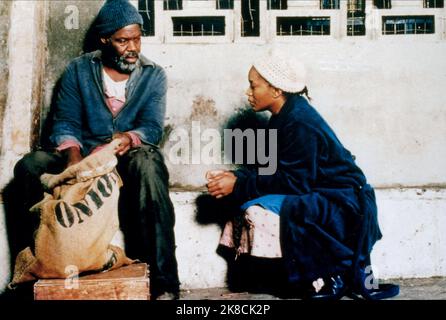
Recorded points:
383,291
333,288
168,296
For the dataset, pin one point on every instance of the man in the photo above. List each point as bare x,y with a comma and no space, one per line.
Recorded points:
111,93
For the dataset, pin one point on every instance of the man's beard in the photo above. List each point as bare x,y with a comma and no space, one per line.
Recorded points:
120,64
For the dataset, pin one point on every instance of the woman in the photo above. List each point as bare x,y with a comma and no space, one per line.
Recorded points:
316,212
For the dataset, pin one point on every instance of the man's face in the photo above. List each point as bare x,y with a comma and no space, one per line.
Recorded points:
123,48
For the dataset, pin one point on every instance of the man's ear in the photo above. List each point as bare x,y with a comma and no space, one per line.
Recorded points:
104,40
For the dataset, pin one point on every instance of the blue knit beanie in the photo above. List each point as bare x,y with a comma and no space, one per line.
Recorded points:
116,14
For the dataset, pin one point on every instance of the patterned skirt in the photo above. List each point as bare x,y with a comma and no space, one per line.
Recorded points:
260,232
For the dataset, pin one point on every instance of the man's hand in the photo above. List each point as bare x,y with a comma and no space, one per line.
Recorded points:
126,142
221,183
73,156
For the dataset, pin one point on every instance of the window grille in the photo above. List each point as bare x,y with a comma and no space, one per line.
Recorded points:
198,26
287,25
250,18
277,5
356,5
408,25
383,4
329,4
434,3
356,18
303,26
224,4
147,10
173,4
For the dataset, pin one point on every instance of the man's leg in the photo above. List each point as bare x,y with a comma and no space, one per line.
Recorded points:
27,191
147,216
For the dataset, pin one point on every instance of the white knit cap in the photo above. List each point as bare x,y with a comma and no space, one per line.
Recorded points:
285,73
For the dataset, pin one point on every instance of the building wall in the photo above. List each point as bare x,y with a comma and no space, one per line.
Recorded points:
67,26
368,87
5,8
383,96
23,48
384,99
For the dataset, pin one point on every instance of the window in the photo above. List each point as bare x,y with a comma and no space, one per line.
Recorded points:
355,25
198,26
408,25
356,5
329,4
224,4
434,3
303,26
173,4
356,17
203,19
147,10
250,18
277,5
382,4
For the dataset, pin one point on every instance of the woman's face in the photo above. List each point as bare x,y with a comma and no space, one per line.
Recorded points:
260,93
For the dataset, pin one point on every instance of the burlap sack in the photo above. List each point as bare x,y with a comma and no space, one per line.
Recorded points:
77,221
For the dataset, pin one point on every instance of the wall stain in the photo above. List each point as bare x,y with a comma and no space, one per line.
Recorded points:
203,109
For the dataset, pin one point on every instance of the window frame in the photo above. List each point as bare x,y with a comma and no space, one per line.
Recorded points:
407,17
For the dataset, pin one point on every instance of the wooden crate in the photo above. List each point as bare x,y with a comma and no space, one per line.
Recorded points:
126,283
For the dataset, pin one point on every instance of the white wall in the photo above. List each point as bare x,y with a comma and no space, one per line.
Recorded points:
385,99
412,222
5,272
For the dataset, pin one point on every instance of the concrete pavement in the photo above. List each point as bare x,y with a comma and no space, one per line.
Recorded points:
410,289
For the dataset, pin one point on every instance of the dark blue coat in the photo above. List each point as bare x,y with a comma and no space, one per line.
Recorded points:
328,196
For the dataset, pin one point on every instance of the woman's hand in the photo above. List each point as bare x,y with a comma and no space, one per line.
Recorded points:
220,183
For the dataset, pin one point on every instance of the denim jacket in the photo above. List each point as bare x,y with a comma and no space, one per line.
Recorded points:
82,114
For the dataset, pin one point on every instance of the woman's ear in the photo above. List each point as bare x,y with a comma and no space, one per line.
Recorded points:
277,92
104,40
